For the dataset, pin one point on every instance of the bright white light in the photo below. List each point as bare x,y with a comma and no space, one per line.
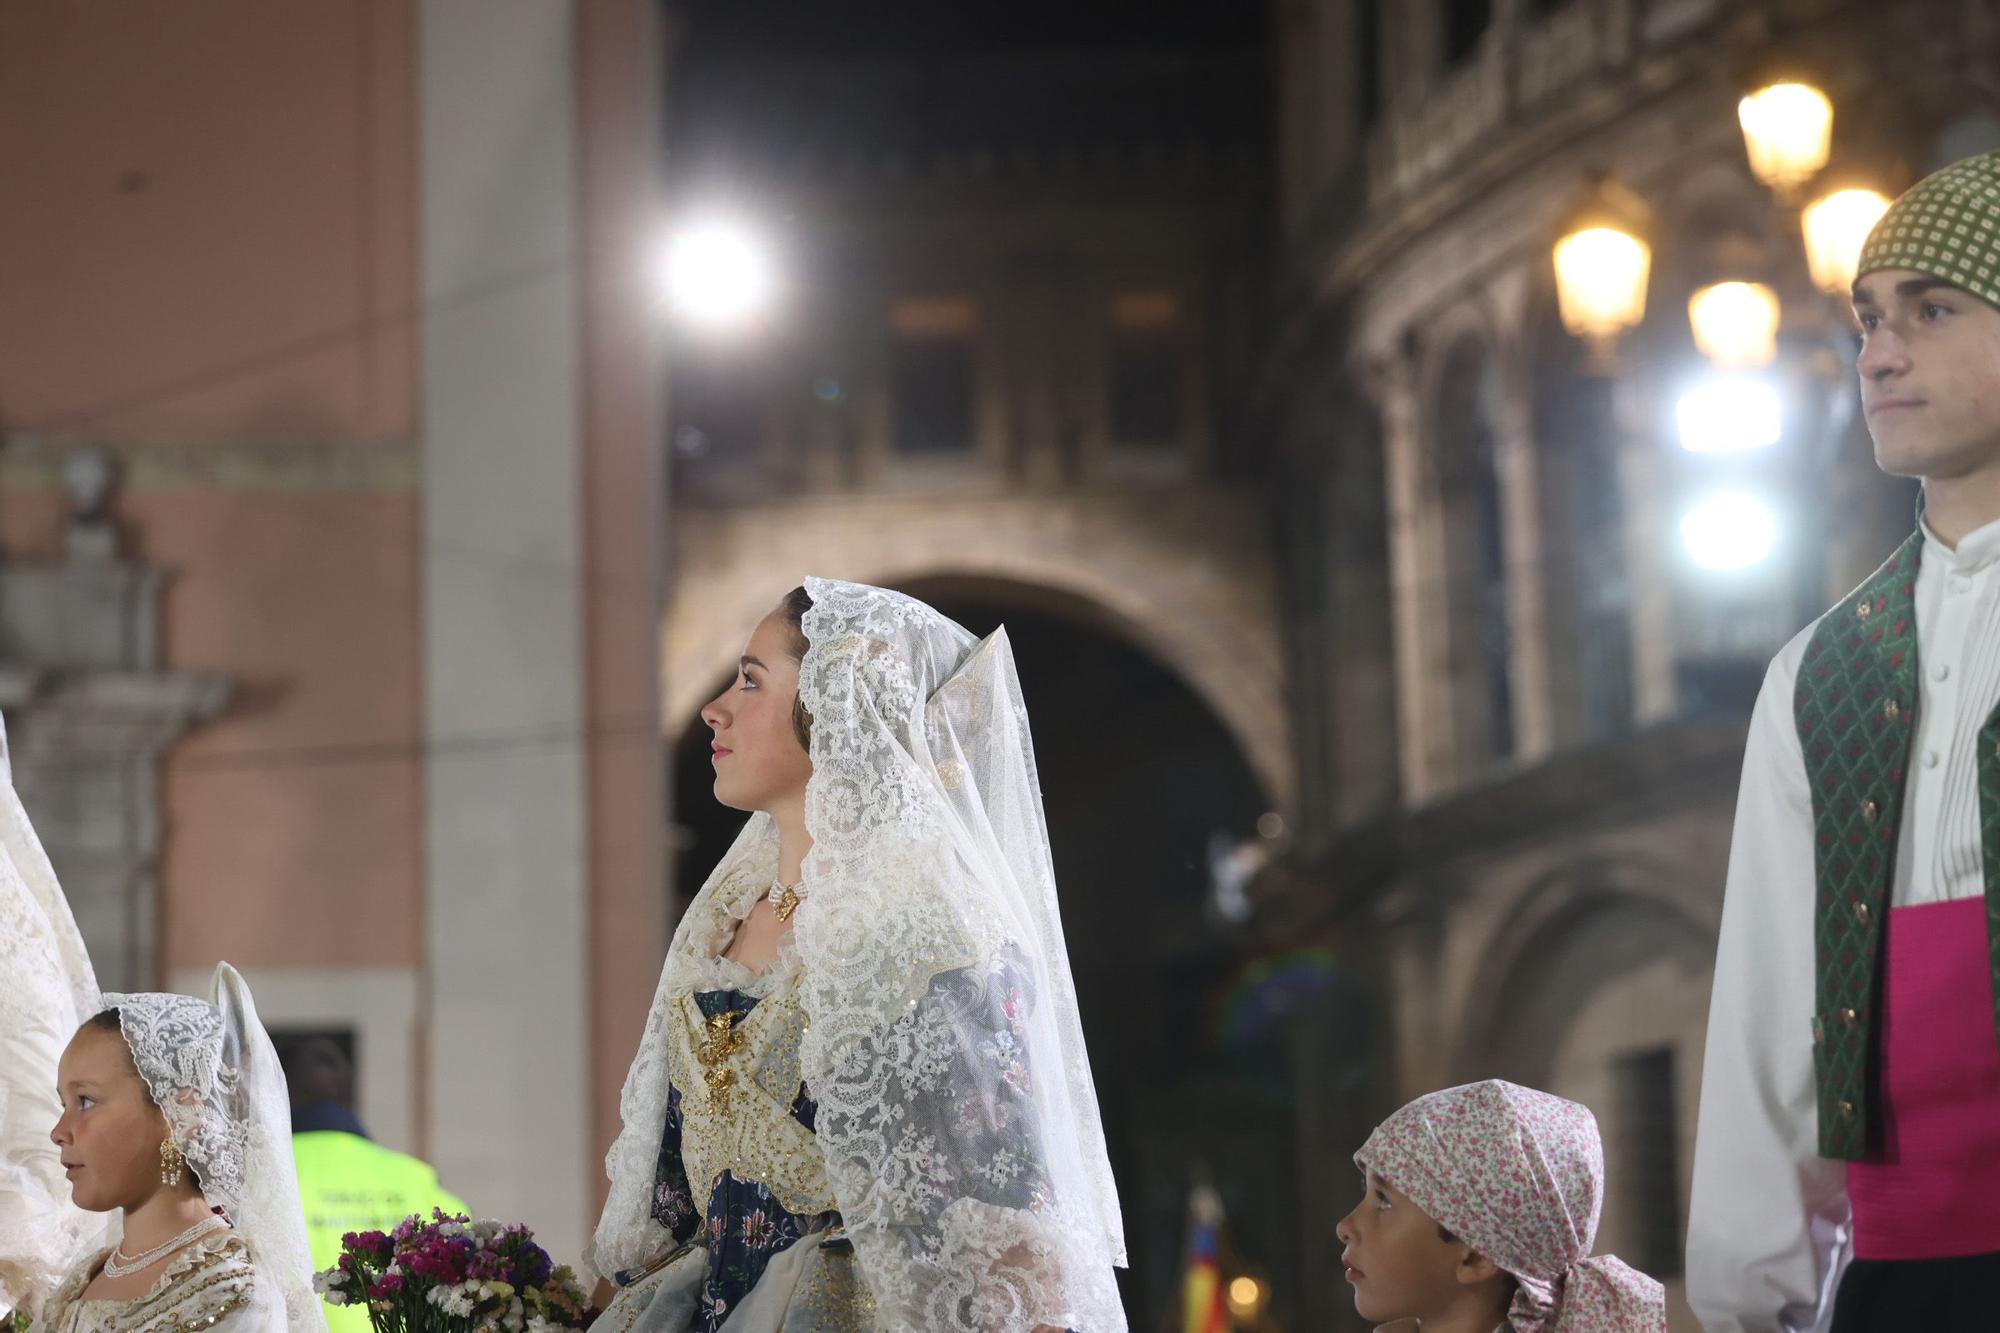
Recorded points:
1730,531
1835,229
1735,324
1788,133
1601,281
1728,414
718,274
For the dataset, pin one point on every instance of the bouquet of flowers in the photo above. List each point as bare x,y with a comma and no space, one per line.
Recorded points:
454,1275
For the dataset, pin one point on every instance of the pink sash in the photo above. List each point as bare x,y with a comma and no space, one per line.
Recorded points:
1933,1191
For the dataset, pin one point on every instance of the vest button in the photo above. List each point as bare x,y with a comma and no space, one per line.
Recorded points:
1861,912
1869,810
1847,1109
1849,1017
1862,611
1892,710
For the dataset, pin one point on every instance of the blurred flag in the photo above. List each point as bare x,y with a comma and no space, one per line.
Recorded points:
1202,1308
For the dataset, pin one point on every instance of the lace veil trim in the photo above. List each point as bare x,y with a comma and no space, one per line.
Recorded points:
211,1069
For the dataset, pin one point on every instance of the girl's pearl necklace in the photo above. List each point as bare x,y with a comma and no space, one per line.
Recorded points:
120,1264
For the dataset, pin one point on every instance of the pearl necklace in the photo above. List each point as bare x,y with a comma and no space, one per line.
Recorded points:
120,1264
786,898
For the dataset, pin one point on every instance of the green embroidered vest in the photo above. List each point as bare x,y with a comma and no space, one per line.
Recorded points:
1855,706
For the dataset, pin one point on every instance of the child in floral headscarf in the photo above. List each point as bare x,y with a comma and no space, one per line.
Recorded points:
1481,1208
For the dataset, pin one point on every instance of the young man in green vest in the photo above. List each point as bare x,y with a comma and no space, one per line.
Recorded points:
1847,1170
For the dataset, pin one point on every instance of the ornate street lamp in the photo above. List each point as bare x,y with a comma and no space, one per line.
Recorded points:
1835,228
1602,265
1735,324
1788,133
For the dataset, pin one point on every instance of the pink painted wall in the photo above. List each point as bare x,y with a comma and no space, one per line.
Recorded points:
31,522
211,238
208,218
294,820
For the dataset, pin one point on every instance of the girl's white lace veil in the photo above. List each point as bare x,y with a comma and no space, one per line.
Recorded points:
211,1069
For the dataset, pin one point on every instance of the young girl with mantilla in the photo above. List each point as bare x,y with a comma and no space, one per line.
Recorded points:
175,1117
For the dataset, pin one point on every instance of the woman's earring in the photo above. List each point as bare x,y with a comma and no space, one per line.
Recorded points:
170,1163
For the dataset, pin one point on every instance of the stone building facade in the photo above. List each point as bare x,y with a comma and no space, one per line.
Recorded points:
1016,317
328,395
1527,708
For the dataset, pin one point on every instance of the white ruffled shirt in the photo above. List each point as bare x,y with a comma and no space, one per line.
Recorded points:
1768,1234
710,971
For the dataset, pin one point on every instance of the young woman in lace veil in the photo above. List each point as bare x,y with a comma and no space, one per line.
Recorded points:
47,987
174,1115
862,1098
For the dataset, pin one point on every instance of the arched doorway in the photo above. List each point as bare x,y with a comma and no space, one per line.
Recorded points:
1142,784
1597,989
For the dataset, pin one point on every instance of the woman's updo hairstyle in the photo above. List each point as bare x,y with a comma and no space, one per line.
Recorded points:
797,602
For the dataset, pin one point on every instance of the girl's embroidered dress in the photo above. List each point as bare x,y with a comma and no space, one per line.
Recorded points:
209,1287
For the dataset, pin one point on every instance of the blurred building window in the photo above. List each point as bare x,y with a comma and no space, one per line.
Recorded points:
1649,1160
719,418
1368,60
1475,575
1465,22
932,372
1604,608
1147,336
1583,546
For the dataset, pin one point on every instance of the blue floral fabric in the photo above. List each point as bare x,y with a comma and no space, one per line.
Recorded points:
747,1226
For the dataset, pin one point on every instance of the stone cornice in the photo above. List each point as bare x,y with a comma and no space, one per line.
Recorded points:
1689,762
35,462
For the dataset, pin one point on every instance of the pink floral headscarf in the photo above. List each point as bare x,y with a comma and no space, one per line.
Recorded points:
1519,1176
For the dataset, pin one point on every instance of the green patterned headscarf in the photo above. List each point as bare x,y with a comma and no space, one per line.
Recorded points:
1947,225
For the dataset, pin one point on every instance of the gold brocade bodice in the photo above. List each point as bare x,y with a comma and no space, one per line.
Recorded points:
202,1286
738,1076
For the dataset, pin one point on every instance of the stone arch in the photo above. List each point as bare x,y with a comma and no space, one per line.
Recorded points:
1187,579
1465,324
1574,931
1712,223
1596,989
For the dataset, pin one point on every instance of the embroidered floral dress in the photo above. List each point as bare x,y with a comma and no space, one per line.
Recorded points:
740,1183
209,1287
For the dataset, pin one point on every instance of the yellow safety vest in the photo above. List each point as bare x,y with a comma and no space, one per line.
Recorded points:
348,1184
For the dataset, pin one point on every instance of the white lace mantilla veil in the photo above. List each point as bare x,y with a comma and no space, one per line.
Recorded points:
212,1071
930,856
47,990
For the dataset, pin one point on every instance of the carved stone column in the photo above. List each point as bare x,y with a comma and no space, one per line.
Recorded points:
1416,570
1519,469
89,714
